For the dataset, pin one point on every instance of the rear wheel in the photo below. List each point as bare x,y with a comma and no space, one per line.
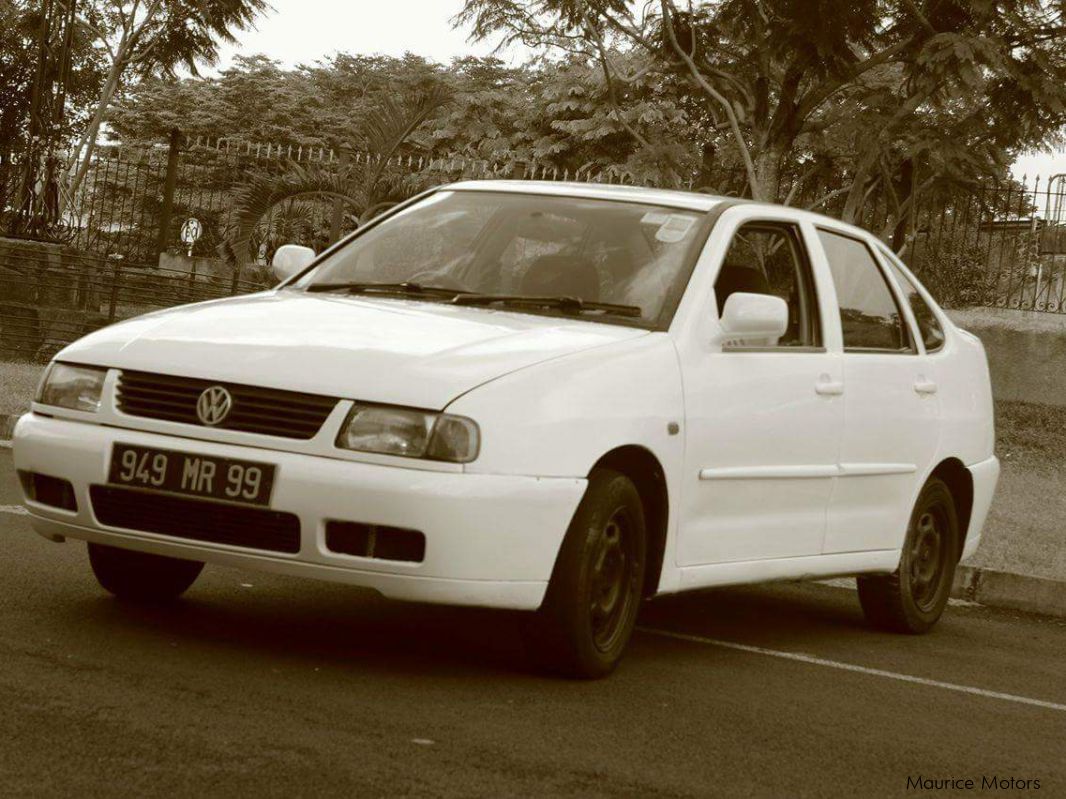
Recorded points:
591,605
141,577
912,599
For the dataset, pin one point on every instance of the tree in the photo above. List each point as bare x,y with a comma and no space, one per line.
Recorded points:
366,190
145,37
253,99
546,114
20,22
849,91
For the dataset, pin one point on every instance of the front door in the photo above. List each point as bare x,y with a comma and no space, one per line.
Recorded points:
763,419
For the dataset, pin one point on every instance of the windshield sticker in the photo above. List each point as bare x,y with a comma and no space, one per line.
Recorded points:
654,218
674,229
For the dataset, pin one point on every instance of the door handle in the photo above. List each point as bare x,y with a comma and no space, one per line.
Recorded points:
828,387
923,386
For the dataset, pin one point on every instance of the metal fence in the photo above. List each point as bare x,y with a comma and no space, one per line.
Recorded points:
50,296
1001,245
135,198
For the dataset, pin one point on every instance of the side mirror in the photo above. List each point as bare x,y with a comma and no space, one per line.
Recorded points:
290,259
753,316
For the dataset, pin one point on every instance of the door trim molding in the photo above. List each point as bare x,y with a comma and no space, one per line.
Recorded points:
796,472
806,471
876,469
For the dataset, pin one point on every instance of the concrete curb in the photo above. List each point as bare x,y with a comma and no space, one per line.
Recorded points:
1014,591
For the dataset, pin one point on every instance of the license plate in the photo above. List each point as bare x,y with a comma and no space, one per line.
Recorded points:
175,472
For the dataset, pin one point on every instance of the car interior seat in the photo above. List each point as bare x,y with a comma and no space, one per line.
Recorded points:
739,278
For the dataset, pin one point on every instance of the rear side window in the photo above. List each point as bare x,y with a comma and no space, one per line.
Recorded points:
869,315
928,325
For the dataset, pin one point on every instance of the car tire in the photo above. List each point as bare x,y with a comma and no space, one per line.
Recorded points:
912,599
141,577
596,587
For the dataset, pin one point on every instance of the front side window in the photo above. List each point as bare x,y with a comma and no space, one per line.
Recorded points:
508,249
869,315
769,258
928,325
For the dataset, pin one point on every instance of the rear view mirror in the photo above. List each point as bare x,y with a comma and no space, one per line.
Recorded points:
753,316
290,259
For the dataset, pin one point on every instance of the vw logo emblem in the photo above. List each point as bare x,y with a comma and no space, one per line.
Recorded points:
214,405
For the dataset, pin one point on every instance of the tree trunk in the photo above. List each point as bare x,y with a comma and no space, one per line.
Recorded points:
768,174
79,167
904,192
856,197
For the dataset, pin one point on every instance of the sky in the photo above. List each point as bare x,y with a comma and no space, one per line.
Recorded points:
303,31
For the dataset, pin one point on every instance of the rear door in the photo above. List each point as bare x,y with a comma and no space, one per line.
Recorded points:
891,412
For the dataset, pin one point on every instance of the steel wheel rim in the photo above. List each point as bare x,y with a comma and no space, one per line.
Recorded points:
612,571
926,562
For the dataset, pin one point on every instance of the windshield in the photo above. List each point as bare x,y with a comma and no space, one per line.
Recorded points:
623,262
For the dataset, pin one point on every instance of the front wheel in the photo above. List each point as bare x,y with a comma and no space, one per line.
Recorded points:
141,577
591,604
912,599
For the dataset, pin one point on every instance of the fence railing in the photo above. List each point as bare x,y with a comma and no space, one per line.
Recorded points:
135,198
1001,245
51,296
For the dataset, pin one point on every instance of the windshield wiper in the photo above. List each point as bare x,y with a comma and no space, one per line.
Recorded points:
406,288
564,304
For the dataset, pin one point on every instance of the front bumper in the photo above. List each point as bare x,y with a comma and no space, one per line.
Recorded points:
491,540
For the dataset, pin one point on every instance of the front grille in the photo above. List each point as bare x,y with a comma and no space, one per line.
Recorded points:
196,519
267,411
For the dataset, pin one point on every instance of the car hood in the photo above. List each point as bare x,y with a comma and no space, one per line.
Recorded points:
402,352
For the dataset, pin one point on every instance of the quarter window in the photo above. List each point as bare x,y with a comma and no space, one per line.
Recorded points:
869,315
928,325
768,258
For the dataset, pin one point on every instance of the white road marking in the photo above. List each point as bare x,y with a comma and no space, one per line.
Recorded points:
17,510
835,664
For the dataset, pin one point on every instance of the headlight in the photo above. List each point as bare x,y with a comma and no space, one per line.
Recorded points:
76,387
411,433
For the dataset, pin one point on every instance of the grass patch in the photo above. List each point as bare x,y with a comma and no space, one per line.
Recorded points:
1026,528
1031,434
18,381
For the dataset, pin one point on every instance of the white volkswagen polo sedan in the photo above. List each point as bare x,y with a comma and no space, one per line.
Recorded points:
547,397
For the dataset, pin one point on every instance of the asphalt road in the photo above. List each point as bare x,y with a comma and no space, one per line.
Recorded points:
272,686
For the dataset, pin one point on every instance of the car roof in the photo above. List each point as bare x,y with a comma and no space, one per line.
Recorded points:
691,200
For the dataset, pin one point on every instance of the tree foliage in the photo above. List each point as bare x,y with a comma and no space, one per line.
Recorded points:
141,38
857,107
863,98
20,22
365,191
